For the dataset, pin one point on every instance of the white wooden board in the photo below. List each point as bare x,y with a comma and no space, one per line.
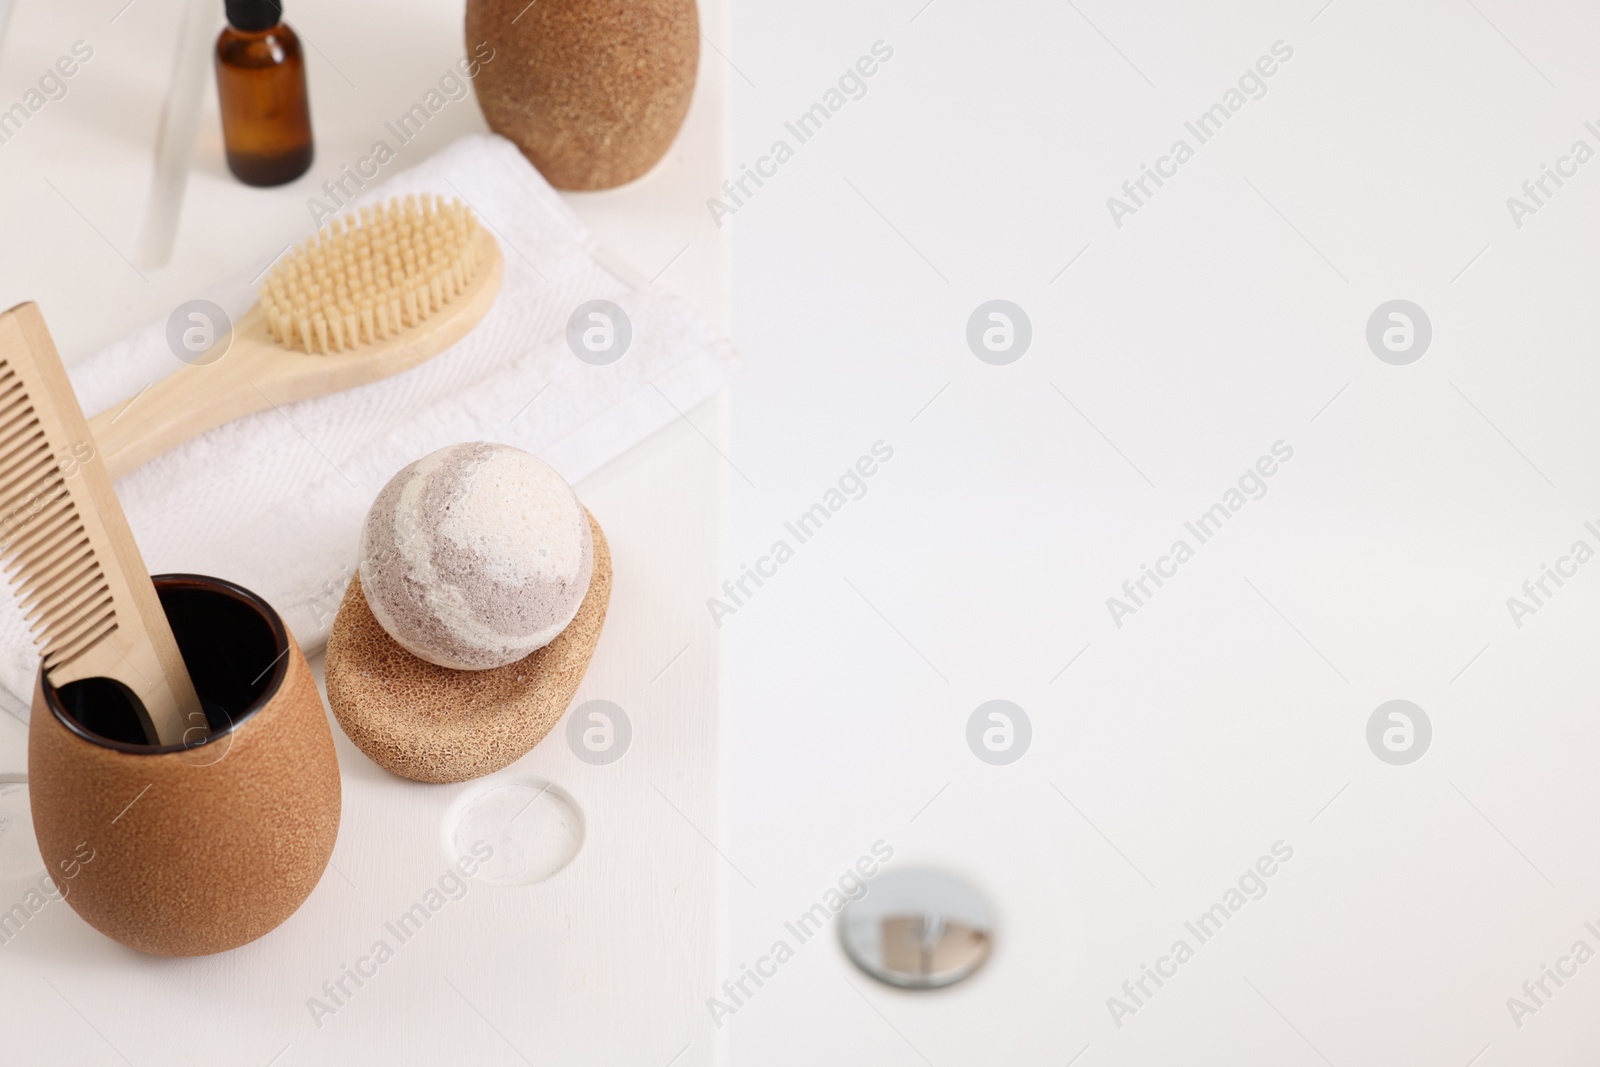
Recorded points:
608,961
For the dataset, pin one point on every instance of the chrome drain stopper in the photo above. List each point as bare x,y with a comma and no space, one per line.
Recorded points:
917,928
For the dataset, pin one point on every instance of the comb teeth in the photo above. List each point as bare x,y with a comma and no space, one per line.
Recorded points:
55,574
354,284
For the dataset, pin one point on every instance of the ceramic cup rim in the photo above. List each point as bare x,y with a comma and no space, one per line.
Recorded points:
280,670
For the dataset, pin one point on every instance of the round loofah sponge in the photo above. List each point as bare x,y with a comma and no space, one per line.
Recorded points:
475,556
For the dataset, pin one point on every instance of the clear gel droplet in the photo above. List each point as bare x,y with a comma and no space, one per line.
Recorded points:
533,827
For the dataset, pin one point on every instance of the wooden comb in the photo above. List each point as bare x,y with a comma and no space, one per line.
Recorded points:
355,303
64,541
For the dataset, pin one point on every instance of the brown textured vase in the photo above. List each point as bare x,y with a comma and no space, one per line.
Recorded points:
592,91
434,724
185,850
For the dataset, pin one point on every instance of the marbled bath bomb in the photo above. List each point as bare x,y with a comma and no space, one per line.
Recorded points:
475,556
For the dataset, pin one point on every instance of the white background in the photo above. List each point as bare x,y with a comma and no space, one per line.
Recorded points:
1227,715
1222,317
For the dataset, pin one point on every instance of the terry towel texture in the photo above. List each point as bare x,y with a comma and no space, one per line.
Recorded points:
275,501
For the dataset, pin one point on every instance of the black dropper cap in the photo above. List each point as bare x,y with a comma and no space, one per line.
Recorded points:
253,16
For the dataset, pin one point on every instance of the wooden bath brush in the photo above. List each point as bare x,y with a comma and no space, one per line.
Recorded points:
76,570
358,302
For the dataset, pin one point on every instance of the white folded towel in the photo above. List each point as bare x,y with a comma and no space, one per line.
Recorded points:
275,501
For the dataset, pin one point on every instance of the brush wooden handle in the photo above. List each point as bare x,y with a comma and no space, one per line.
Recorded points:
139,651
256,373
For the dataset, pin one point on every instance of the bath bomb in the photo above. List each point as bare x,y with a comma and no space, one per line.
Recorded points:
475,556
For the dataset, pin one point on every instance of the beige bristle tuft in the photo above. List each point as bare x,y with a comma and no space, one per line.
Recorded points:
363,280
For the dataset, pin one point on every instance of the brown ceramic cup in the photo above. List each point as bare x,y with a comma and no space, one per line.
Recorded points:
189,849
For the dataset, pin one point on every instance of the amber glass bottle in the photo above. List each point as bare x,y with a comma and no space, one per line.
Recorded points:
261,85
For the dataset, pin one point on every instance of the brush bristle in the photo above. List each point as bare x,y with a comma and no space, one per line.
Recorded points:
58,580
358,283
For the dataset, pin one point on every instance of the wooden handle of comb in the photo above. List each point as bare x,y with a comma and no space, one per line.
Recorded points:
140,652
